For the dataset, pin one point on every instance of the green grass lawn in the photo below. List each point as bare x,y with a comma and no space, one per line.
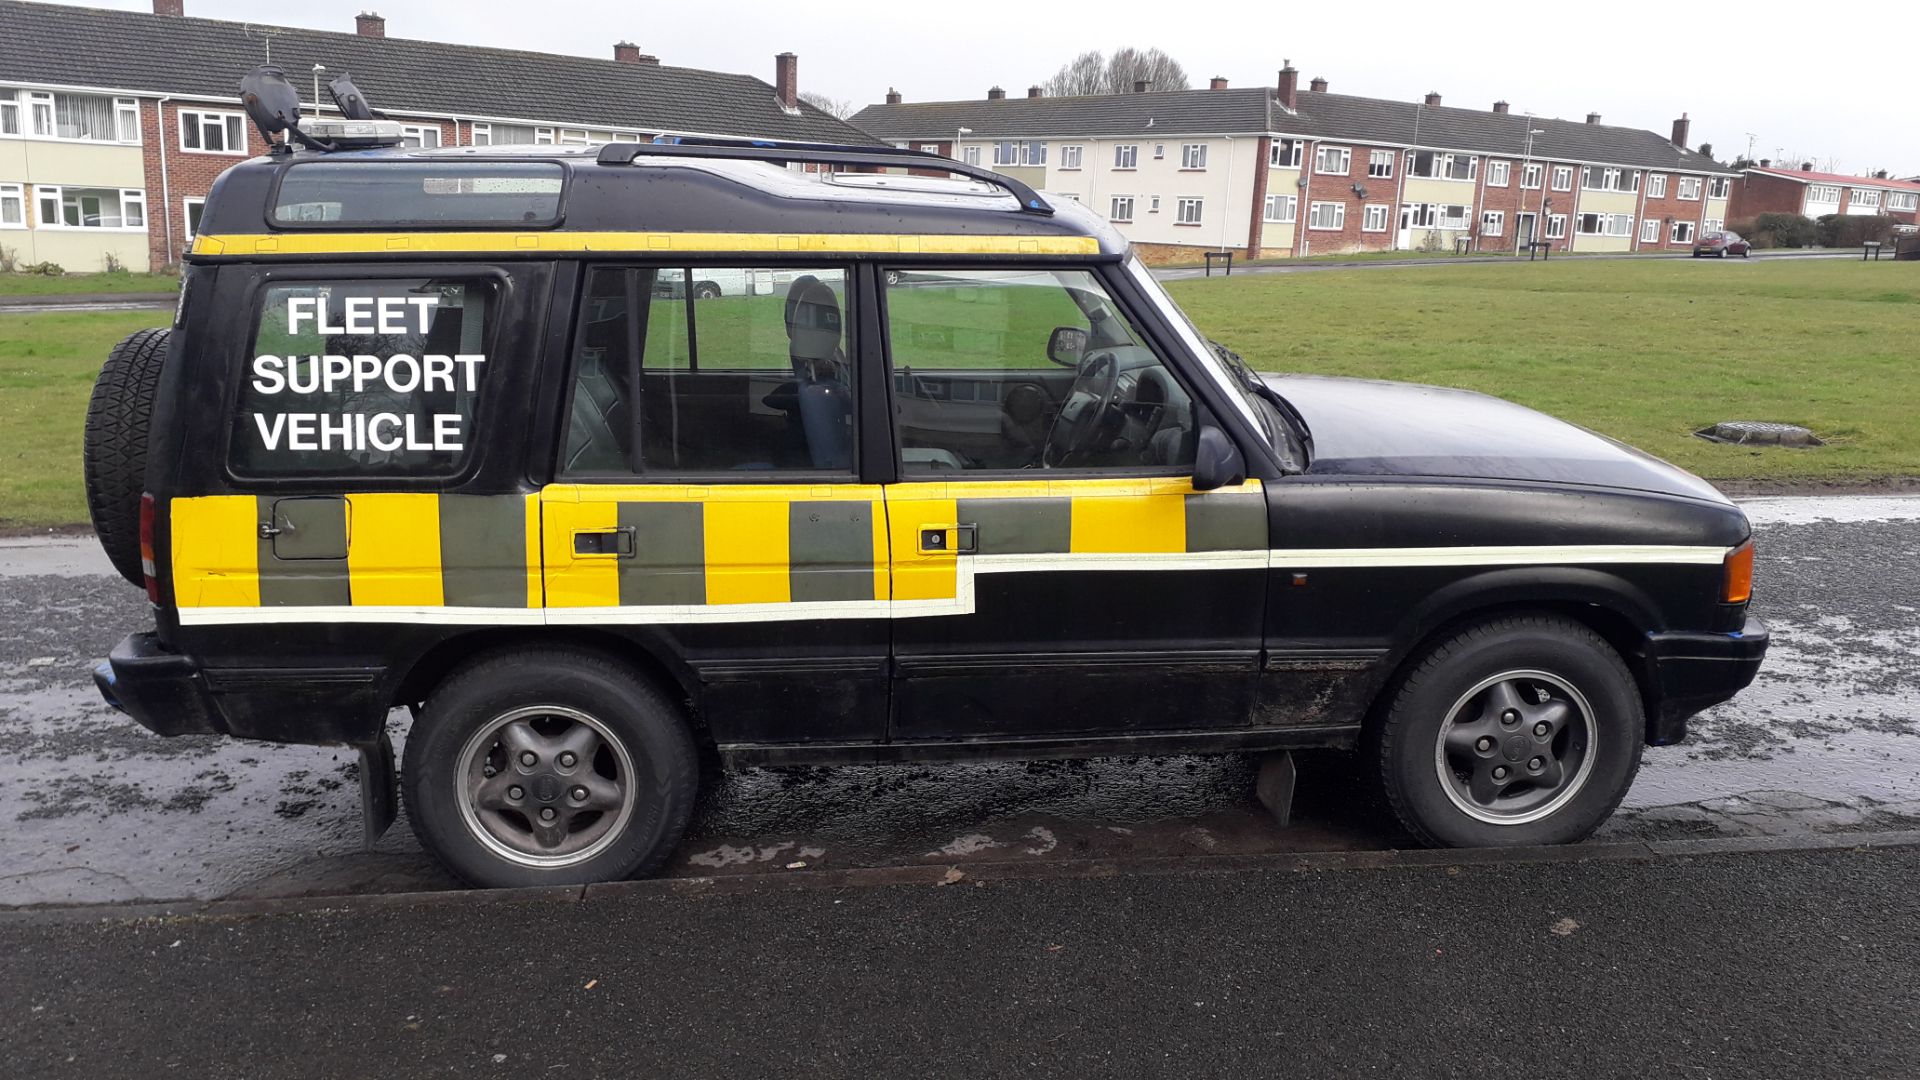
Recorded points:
1644,351
75,284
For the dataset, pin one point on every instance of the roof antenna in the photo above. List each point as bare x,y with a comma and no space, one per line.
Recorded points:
265,34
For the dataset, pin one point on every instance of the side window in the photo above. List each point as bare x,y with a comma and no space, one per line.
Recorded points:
1027,369
727,370
363,378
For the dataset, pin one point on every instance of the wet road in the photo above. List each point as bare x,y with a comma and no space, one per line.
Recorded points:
96,809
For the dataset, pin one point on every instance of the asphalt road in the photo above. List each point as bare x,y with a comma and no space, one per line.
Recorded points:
96,809
1803,965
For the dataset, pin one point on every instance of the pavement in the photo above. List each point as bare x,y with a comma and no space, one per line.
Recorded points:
1780,964
1299,266
98,810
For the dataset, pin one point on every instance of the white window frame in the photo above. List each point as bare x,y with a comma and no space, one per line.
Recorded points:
186,214
1866,197
1650,230
1493,223
1345,154
970,155
1499,173
1297,149
126,117
1380,164
57,194
33,114
418,133
17,193
1563,178
1680,227
1071,156
1903,200
1690,188
543,136
1719,187
1126,156
197,120
1374,217
1715,224
1114,209
1189,210
1453,217
480,133
1531,176
1159,151
1556,227
1339,212
1824,194
1193,156
1657,185
1153,204
1288,206
10,113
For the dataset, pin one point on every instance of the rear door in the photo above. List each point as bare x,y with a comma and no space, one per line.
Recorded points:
1054,571
706,499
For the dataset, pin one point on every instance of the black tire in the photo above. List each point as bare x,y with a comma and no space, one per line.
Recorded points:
114,452
665,778
893,277
1407,735
706,290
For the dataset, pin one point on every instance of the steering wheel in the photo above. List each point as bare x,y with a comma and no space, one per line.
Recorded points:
1094,389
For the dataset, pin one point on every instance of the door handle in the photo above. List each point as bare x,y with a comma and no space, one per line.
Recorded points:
615,542
954,539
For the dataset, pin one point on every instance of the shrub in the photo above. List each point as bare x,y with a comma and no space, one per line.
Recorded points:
1779,230
110,263
9,259
1852,230
48,269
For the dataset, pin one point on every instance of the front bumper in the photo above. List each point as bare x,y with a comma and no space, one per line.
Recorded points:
1691,672
162,690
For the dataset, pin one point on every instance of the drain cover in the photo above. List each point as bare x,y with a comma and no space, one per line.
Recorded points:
1759,432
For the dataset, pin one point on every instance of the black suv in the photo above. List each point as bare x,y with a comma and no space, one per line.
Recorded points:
937,472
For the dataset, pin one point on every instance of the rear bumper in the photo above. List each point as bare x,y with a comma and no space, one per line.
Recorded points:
172,694
162,690
1691,672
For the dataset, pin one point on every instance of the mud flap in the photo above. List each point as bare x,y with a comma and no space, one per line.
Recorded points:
1275,786
379,790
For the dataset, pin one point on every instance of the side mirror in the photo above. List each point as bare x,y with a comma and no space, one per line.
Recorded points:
1067,346
1216,461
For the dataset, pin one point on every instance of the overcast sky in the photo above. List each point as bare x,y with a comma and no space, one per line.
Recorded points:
1637,64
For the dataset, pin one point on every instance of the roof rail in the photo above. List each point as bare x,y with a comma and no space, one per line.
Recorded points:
808,153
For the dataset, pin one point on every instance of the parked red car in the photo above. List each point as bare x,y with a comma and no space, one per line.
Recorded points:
1721,244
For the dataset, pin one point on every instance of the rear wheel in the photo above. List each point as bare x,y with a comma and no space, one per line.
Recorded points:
549,767
706,290
114,450
1519,730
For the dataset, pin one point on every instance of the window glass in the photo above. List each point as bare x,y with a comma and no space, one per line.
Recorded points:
1027,369
441,193
739,370
363,378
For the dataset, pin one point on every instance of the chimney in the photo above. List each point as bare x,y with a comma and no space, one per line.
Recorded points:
1287,91
786,80
1433,97
369,24
626,52
996,94
1318,86
1141,86
1500,106
1766,163
1681,128
1216,83
893,96
1035,91
169,7
1593,118
1806,166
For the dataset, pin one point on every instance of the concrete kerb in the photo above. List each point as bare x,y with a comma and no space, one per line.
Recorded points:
965,874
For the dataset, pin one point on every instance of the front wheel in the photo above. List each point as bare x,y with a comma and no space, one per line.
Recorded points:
549,767
706,290
1523,729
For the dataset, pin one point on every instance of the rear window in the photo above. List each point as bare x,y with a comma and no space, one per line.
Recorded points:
329,193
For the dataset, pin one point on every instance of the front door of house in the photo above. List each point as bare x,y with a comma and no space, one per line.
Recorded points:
1406,229
1525,232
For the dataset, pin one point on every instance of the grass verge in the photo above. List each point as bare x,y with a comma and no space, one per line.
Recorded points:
86,284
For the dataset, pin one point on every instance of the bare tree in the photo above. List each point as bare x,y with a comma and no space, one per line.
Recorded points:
1093,72
839,108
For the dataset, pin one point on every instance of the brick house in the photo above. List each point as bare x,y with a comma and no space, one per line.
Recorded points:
1766,189
1282,171
114,124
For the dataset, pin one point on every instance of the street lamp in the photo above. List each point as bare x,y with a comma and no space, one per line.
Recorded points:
1539,224
956,141
318,70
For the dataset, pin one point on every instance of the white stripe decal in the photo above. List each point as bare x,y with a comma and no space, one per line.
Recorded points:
963,602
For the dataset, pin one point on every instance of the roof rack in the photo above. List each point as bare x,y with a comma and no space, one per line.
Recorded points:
807,153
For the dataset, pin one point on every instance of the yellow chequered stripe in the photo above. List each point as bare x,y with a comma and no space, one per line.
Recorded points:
662,243
747,554
393,549
919,575
216,552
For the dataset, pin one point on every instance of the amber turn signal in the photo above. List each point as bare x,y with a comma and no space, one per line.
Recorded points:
1737,585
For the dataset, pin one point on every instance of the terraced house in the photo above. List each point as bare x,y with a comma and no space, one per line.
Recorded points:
114,124
1277,171
1814,194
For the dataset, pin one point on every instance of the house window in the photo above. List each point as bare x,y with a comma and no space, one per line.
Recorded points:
1563,178
1327,215
481,134
1374,219
1499,173
1333,161
1159,151
1282,209
1070,156
1285,153
970,155
91,208
1380,165
1126,157
543,136
1455,216
1193,156
1690,187
9,112
85,117
1902,200
422,135
1719,187
190,210
1462,167
1122,209
1020,153
1683,232
1650,230
1421,215
1715,224
1556,226
568,136
1530,177
13,206
1153,204
1824,193
1187,212
126,120
213,132
40,104
1657,186
1862,197
1605,225
1493,222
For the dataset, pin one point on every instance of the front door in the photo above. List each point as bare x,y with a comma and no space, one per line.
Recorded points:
1054,572
706,501
1525,233
1406,229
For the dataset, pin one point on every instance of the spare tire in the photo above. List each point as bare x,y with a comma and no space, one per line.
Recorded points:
115,452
